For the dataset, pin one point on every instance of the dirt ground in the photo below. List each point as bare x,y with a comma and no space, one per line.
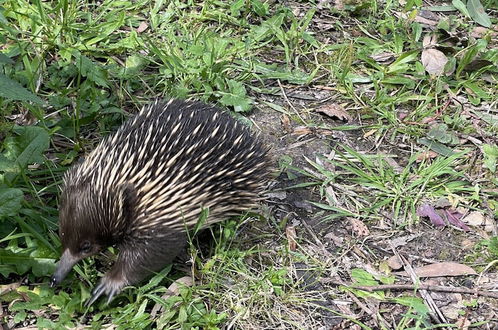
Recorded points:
344,244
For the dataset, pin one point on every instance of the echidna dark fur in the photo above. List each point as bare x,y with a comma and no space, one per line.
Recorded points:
144,185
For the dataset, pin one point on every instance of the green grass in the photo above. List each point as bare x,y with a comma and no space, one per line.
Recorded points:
71,72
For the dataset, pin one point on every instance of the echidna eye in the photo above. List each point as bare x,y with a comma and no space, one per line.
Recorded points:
85,247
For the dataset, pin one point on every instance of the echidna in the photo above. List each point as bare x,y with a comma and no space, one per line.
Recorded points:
145,185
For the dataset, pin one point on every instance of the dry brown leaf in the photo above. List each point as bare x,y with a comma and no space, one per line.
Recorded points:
286,123
290,233
345,309
334,111
479,32
370,132
6,288
301,130
434,61
359,227
338,241
429,41
384,57
477,219
394,263
142,27
339,4
463,323
403,240
173,290
451,311
444,269
25,118
426,155
426,21
185,281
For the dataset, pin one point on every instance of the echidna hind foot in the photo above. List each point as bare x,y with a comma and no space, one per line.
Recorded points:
145,185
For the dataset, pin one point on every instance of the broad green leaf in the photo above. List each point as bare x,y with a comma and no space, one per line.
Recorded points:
10,201
461,7
5,59
134,64
11,89
27,147
440,8
236,6
490,156
260,8
362,277
237,96
90,70
441,134
400,64
105,29
478,14
437,147
414,302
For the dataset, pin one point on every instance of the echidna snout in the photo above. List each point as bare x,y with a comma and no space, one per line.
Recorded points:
146,184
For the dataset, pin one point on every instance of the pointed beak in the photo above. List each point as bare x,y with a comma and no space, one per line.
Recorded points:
64,266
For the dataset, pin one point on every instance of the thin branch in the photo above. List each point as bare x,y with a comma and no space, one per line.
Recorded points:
438,288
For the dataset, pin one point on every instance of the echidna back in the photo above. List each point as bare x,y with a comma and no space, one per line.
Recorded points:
177,158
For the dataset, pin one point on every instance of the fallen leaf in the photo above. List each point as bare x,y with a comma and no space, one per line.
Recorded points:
426,210
429,41
6,288
173,290
423,20
477,219
185,281
479,32
142,27
338,241
426,155
454,217
339,4
359,227
384,57
290,233
444,269
286,123
403,240
335,111
463,322
302,130
394,263
369,133
434,61
281,195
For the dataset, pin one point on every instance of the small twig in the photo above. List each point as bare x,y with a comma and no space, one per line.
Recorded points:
435,313
284,94
437,288
318,242
375,316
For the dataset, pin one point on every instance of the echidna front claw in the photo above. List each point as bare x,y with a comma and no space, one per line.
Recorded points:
107,286
96,293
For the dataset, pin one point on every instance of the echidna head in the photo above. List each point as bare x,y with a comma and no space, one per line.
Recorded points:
89,221
79,236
